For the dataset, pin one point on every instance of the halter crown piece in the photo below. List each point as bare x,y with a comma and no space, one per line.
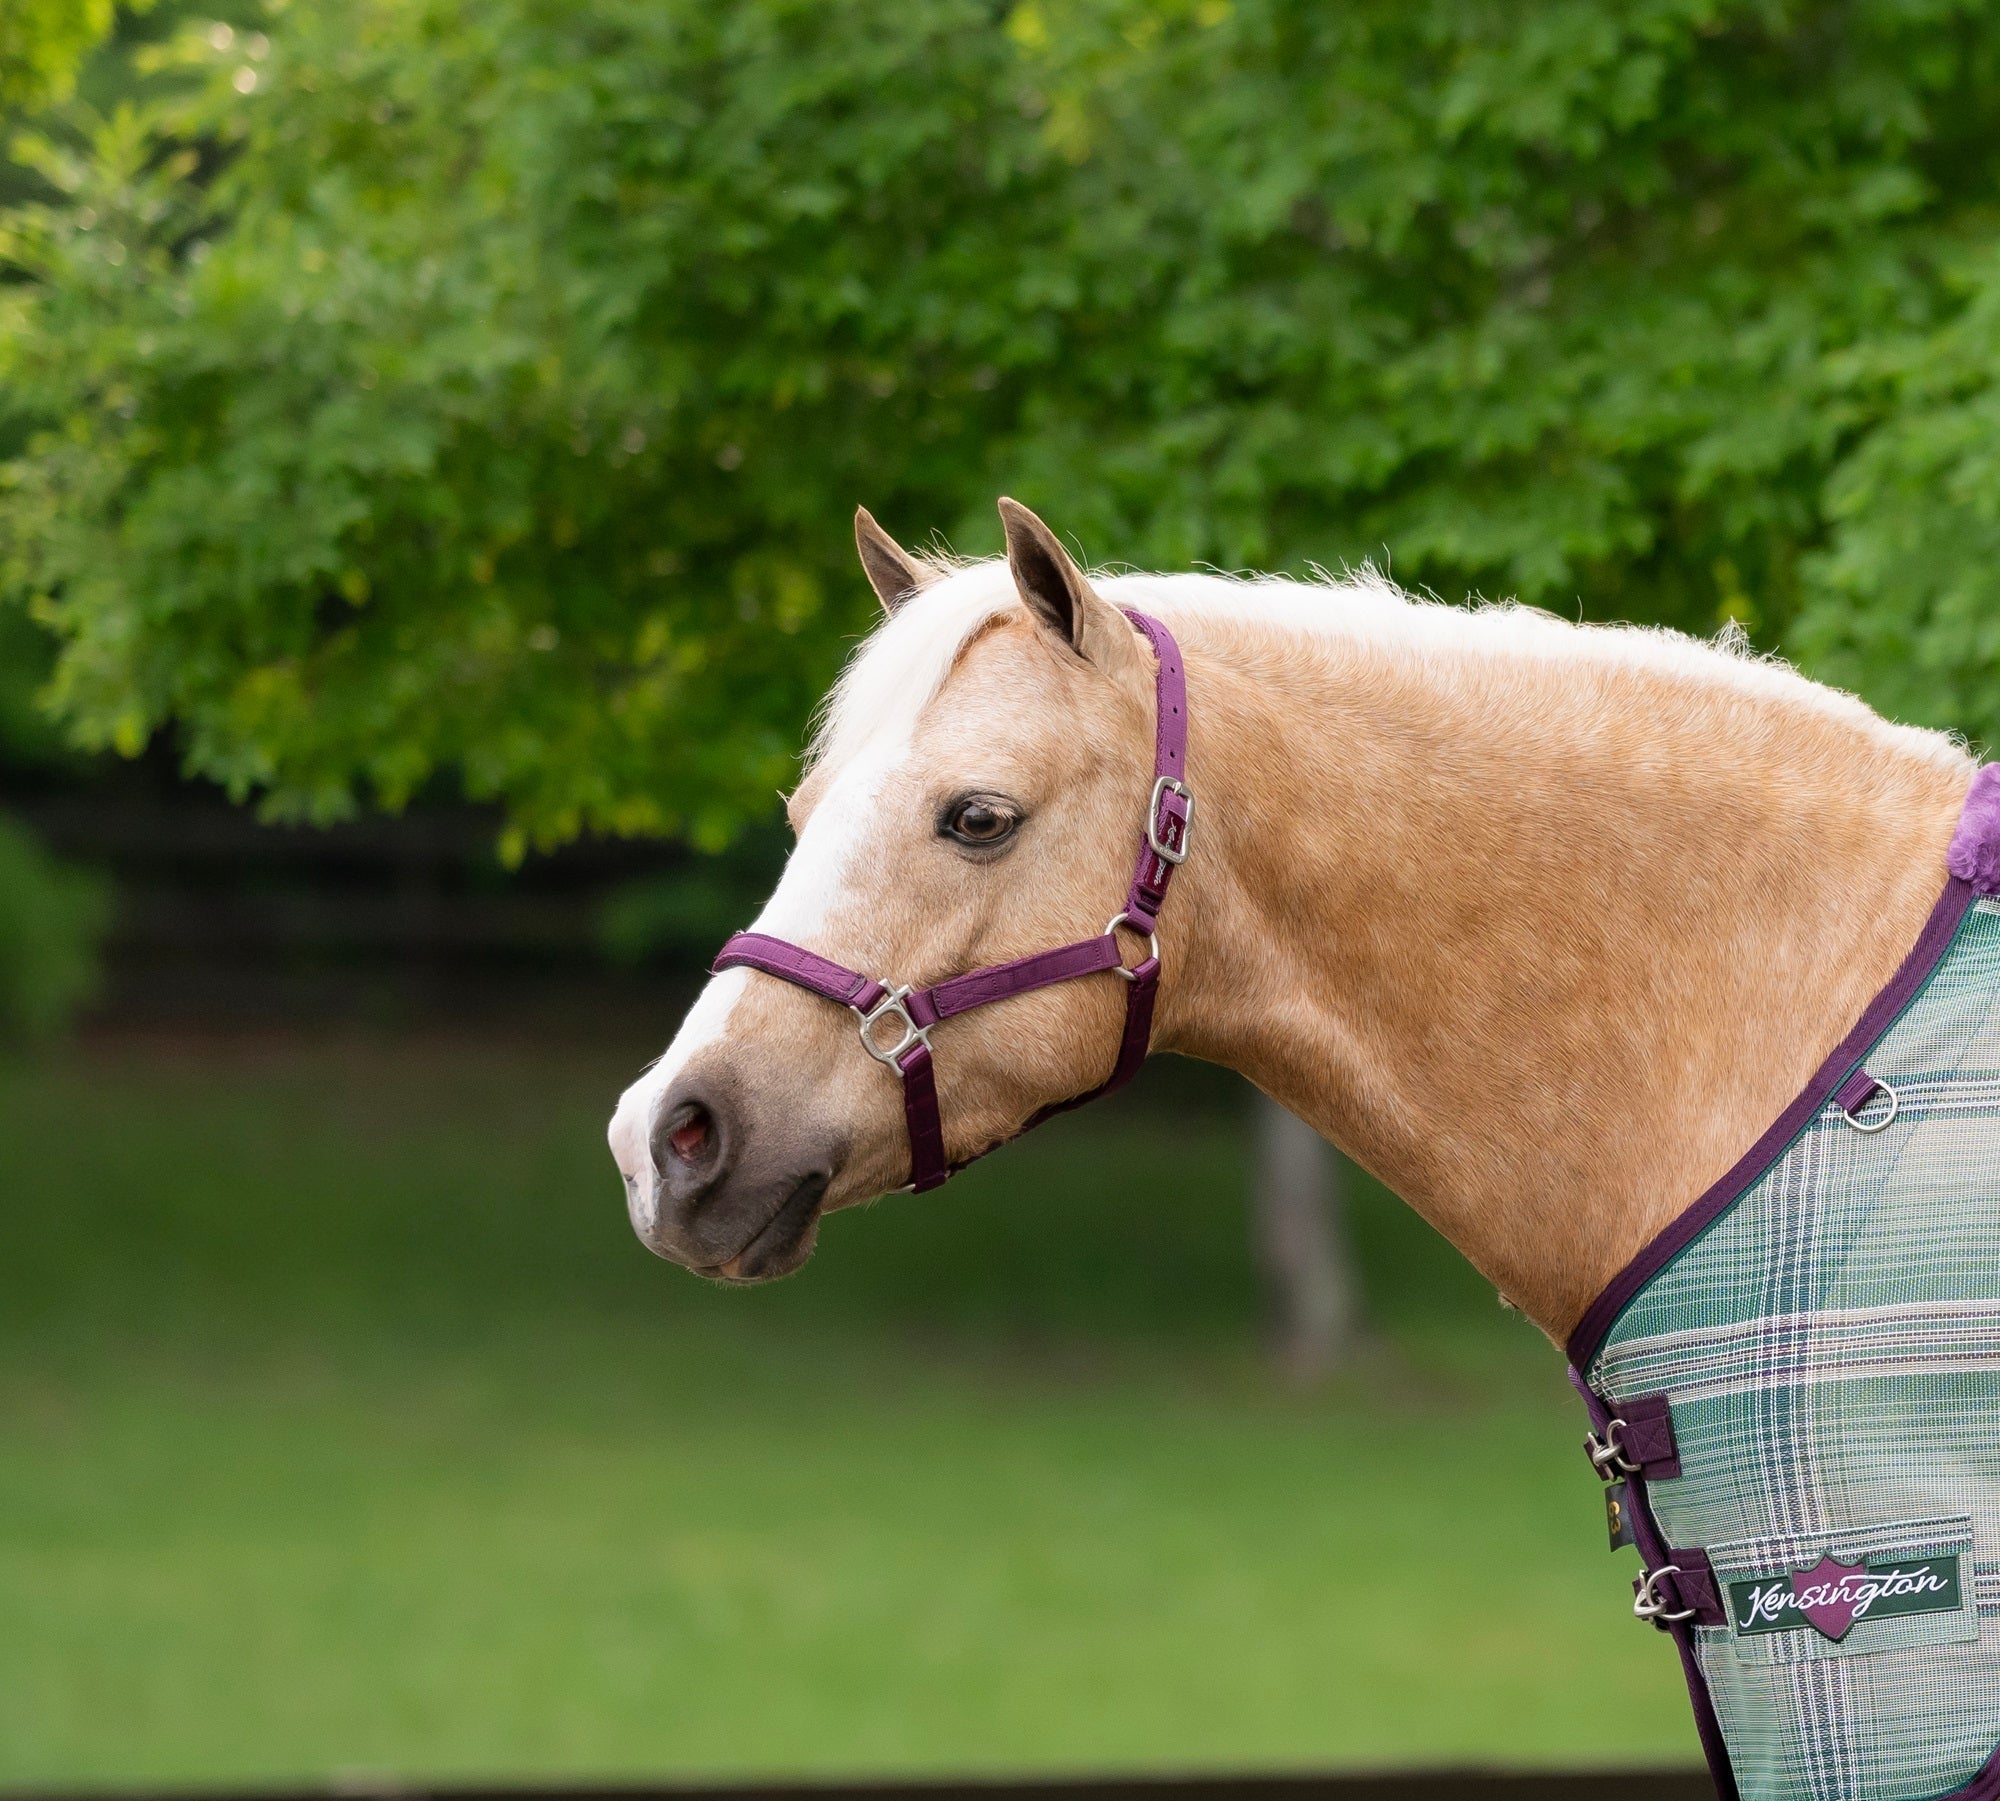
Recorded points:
910,1013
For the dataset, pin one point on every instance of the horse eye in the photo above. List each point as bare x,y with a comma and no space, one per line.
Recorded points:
978,822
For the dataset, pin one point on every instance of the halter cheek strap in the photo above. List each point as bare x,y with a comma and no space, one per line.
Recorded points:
896,1022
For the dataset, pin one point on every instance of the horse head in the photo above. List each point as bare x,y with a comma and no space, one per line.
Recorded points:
971,797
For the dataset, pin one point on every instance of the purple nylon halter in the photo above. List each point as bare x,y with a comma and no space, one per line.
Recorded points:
1163,846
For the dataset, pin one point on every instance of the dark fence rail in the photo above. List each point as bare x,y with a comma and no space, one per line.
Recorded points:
1402,1785
221,920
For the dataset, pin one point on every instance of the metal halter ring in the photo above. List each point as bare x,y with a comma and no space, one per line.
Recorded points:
1152,944
892,1005
1607,1454
1169,853
1650,1604
1876,1125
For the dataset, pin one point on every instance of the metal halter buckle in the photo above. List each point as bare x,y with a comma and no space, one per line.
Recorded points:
1169,853
1607,1454
1650,1604
1152,944
893,1005
1872,1126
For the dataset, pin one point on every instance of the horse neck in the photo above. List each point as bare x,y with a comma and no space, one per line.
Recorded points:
1543,941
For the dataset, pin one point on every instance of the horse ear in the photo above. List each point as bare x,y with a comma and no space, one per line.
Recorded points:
892,572
1061,601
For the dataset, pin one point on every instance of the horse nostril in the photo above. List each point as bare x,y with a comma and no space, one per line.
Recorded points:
690,1137
694,1142
687,1141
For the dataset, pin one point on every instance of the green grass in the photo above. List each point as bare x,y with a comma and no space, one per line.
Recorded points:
344,1431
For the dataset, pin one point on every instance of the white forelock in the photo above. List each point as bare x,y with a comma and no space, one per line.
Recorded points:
903,663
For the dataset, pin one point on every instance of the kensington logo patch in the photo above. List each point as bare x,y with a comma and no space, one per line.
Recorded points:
1832,1595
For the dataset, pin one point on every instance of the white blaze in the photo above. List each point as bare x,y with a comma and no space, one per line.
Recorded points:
818,875
871,727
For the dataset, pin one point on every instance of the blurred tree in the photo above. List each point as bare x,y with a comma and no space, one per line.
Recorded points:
482,411
415,386
50,919
1299,1239
42,42
52,915
28,737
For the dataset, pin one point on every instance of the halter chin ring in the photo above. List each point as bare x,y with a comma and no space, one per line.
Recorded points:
1152,943
893,1005
1169,853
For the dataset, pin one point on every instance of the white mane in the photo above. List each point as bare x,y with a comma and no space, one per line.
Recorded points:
901,667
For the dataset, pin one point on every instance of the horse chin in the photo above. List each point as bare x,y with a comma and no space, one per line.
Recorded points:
783,1245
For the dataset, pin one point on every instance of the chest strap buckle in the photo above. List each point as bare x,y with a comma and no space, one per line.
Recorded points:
1639,1441
1649,1603
1680,1590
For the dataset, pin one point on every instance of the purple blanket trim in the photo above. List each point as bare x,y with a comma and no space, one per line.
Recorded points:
1975,848
1984,1786
1880,1015
1653,1553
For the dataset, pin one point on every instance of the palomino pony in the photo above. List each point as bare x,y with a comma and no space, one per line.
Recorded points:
1539,923
1544,924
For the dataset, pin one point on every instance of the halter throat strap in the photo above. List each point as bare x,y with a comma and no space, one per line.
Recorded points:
896,1022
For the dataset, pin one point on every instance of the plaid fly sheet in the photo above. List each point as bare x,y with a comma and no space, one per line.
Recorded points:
1798,1384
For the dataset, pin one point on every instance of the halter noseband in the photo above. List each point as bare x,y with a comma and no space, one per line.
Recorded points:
912,1012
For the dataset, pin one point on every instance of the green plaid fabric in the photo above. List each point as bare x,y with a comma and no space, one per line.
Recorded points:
1831,1349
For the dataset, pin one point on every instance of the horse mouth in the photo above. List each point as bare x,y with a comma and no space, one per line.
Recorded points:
782,1244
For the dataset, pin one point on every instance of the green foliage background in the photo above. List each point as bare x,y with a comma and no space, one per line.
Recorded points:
41,44
50,918
399,387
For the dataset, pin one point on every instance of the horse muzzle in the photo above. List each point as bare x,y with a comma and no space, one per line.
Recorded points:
711,1186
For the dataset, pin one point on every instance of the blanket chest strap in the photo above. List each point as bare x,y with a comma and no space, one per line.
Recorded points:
1681,1590
1638,1440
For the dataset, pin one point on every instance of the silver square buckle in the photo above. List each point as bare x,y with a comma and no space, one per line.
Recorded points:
1169,853
893,1005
